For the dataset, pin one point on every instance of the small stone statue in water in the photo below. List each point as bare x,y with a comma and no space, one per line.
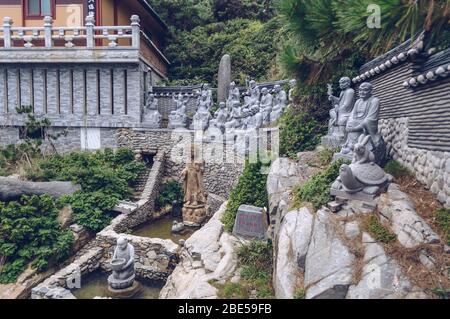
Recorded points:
121,281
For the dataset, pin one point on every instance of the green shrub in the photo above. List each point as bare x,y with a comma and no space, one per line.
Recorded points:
250,190
30,232
232,291
170,192
378,231
105,178
442,217
298,132
300,294
396,169
256,261
316,190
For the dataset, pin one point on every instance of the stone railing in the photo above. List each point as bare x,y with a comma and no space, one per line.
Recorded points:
88,36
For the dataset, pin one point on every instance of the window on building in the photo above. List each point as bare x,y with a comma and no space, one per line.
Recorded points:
39,8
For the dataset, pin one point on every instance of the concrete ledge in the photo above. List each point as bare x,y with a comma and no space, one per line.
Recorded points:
69,55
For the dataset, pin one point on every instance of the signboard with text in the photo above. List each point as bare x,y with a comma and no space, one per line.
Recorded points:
91,8
251,221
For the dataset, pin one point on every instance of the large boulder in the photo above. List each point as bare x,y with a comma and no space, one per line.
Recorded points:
329,263
398,211
292,245
208,255
382,277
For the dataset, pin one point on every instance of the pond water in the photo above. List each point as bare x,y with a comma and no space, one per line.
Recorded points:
162,228
96,285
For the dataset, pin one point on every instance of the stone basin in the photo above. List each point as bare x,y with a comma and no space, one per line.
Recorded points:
118,264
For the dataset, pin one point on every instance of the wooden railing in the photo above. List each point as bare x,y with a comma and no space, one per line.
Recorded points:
88,36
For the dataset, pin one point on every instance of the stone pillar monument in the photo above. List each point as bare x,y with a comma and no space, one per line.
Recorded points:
224,78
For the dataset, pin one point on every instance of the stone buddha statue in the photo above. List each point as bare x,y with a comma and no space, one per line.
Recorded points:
221,116
202,116
253,95
194,201
122,265
339,114
233,100
151,117
279,103
177,118
266,105
363,120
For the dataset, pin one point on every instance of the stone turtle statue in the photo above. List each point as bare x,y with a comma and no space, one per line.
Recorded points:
363,178
367,177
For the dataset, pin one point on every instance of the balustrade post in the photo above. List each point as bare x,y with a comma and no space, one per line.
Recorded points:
7,22
135,31
90,31
48,23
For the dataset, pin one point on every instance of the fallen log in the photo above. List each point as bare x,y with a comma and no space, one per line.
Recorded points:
13,188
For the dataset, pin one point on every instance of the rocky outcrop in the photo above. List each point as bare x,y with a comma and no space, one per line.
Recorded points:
293,242
382,278
208,256
329,263
398,211
328,255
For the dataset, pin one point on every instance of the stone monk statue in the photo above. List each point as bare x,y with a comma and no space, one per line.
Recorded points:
343,104
122,265
363,119
192,175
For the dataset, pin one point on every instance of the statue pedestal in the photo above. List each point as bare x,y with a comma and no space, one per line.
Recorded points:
335,137
125,293
119,284
194,215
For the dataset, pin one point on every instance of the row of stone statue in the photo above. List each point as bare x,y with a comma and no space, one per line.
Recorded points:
350,119
260,107
353,126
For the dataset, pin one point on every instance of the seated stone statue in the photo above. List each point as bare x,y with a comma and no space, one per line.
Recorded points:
252,95
339,114
279,103
233,100
364,120
151,117
206,96
178,118
221,116
201,118
266,105
362,179
122,265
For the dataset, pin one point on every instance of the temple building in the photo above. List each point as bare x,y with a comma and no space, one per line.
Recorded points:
86,65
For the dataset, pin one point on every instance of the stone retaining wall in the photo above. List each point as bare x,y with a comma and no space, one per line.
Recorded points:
220,175
431,168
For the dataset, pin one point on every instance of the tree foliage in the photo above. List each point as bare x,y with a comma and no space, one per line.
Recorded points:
204,30
30,232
